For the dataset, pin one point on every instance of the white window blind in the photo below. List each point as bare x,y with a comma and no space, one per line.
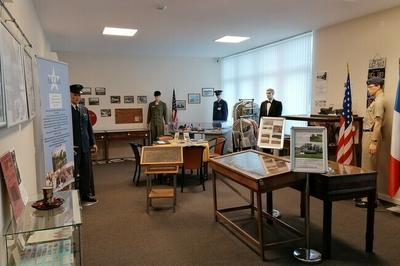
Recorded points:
285,66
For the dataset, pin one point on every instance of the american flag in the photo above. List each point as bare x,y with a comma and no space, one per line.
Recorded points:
174,111
344,152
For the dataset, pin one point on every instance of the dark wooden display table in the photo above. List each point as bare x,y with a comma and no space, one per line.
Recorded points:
260,173
331,123
107,136
342,183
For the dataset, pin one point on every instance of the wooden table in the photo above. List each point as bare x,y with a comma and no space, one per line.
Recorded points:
342,183
108,136
331,123
260,173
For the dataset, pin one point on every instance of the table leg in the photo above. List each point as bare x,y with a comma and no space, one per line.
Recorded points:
369,237
215,194
252,202
327,230
268,200
260,226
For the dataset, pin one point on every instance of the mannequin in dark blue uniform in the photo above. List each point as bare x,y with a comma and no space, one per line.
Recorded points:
220,110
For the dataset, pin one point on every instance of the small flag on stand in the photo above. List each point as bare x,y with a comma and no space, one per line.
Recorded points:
174,111
394,161
345,152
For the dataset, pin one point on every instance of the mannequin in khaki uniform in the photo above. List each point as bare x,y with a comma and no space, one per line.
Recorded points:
372,124
157,116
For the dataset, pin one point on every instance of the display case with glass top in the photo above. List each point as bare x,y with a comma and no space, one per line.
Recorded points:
46,237
260,173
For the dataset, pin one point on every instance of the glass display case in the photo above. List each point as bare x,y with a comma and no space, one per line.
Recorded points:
46,237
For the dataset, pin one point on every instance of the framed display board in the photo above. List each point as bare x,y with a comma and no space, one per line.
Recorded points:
161,155
128,115
271,132
309,150
29,83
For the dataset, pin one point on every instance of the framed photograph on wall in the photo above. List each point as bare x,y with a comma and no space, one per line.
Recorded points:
142,99
86,91
207,92
105,112
94,101
115,99
129,99
193,98
309,150
29,83
180,104
271,132
100,91
82,101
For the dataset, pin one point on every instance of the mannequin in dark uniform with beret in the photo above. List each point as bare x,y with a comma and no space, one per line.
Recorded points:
84,144
220,109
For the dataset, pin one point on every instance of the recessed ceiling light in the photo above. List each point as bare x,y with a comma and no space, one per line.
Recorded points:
232,39
119,31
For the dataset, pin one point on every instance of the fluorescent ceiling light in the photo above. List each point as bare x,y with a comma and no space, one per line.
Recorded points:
232,39
119,31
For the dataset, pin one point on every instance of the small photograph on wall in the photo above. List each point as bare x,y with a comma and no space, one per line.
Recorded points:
207,92
82,101
180,104
129,99
86,91
94,101
194,98
142,99
105,112
100,91
115,99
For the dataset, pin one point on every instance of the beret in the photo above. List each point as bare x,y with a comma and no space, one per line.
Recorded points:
157,93
375,81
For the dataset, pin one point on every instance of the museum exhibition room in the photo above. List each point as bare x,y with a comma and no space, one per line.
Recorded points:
176,132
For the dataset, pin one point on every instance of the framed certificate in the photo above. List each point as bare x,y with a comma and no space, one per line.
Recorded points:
309,150
271,132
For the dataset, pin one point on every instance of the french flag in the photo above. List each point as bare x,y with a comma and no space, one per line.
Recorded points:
394,162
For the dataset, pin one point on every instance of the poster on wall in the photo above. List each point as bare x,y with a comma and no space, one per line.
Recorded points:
321,82
376,68
2,102
56,122
29,83
13,79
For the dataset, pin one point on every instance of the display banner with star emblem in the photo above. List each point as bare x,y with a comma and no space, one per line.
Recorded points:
56,124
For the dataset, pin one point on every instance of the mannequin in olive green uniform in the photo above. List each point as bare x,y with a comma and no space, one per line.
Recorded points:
157,116
372,125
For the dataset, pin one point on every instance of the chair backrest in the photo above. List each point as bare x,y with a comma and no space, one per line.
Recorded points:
165,137
193,157
219,145
135,148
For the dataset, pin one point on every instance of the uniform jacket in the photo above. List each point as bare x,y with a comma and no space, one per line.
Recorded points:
220,111
82,129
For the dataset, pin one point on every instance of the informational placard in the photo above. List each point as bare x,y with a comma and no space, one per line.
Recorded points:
13,78
271,132
56,122
309,150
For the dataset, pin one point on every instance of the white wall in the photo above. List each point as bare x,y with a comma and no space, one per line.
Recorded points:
142,75
356,42
21,137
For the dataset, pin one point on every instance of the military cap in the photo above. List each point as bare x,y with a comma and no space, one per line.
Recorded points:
157,93
375,81
76,88
217,92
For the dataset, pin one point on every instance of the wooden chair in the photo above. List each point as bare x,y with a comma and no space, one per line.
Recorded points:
217,149
193,160
136,151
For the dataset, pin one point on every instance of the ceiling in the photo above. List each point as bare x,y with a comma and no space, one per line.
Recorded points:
189,27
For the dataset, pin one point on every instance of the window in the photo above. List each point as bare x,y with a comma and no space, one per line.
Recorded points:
285,66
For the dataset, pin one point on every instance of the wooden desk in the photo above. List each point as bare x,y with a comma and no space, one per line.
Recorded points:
260,173
342,183
331,123
108,136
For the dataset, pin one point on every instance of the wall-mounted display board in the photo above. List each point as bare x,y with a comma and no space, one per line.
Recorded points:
29,83
2,102
128,115
13,78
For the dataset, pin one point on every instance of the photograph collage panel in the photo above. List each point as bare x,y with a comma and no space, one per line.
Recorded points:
271,132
